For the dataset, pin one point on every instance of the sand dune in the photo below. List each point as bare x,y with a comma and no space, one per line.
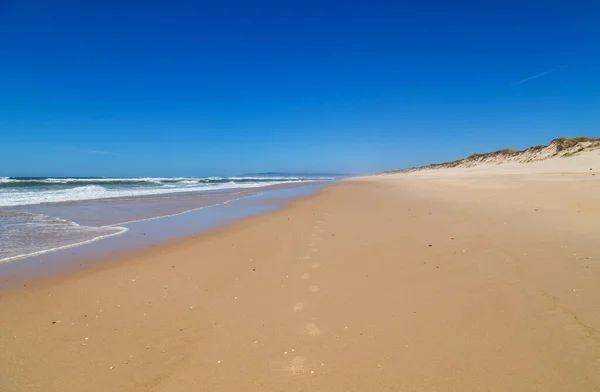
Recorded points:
560,156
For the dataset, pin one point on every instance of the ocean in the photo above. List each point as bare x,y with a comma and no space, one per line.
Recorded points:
44,214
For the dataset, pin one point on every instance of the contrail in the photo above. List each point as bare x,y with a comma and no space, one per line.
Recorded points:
537,76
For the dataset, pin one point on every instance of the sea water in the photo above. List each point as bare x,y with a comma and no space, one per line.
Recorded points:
40,215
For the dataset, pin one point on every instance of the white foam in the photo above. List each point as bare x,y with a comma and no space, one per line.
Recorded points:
67,180
26,234
43,251
258,178
91,192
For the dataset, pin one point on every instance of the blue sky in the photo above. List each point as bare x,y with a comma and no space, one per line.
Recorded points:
117,88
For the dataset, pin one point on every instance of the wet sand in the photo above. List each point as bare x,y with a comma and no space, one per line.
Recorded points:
403,282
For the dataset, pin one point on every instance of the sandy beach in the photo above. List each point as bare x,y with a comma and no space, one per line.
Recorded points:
479,279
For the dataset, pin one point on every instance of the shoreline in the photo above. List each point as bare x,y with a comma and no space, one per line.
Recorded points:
31,230
12,274
401,282
98,262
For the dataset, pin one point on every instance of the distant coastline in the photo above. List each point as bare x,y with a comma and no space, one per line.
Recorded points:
285,174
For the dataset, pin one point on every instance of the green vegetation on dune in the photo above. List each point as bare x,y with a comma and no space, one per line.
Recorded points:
564,143
563,146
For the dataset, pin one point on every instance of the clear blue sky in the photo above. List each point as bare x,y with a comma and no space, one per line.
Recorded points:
224,87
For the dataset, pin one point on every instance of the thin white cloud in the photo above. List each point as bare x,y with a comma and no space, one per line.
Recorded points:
98,152
527,79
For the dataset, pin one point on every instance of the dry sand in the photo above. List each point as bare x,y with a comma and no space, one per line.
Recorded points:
463,281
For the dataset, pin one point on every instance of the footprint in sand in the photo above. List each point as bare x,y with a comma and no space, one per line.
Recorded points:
296,367
306,257
314,288
314,265
305,275
311,329
315,249
298,307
